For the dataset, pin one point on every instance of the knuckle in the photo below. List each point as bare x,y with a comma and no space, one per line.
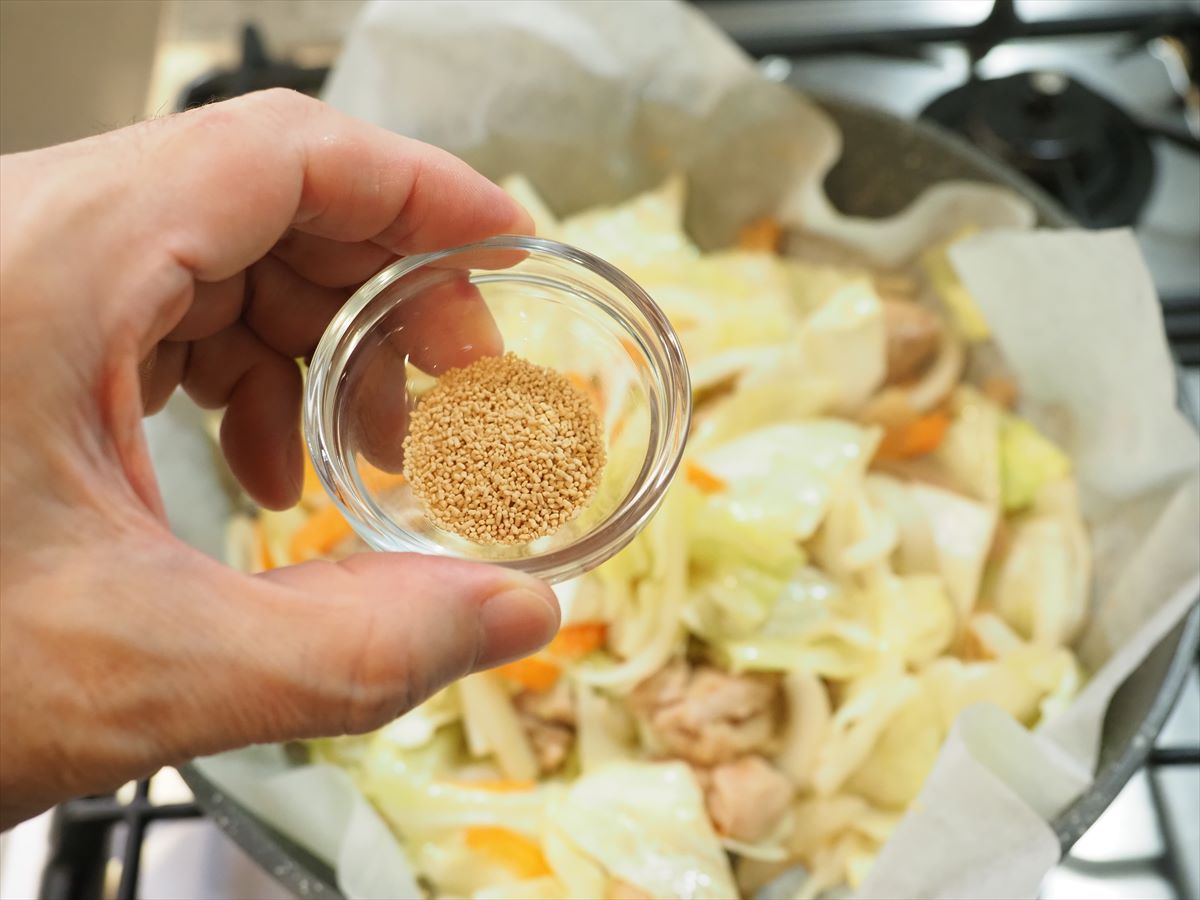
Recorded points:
381,684
369,705
283,103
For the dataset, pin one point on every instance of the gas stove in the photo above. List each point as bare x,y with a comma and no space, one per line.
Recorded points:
1096,101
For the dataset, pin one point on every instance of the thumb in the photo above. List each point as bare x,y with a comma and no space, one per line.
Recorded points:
340,648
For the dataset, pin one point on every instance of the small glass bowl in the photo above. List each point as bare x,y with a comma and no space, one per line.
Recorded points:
549,303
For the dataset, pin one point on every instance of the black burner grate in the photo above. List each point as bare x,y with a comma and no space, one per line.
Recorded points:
1078,146
84,843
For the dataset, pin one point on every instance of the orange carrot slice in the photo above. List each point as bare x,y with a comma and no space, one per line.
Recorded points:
265,558
618,429
534,673
494,785
323,531
506,848
706,481
921,436
577,641
762,235
312,492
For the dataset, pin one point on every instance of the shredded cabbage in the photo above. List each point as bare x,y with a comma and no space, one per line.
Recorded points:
970,451
645,823
962,532
813,625
1028,461
843,342
783,476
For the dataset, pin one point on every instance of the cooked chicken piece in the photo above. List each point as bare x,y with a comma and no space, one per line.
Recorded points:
553,705
746,798
912,333
894,285
548,717
707,716
551,743
623,890
1001,390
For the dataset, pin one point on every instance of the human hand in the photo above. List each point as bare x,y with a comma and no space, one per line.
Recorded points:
210,250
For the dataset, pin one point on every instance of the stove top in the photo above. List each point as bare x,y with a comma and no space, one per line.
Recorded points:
1097,101
1077,145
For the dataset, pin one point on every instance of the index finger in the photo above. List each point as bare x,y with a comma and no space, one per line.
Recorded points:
246,170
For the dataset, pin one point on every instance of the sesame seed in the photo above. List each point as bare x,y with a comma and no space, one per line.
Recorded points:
503,451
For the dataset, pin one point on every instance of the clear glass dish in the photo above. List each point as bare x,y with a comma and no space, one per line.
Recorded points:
549,303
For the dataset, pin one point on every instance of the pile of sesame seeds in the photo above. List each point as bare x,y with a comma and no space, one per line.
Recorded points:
503,451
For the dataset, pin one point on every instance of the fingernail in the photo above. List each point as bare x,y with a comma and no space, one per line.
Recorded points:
516,622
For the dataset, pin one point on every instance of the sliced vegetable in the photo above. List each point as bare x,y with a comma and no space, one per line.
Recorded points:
857,726
812,626
756,405
324,530
844,342
896,767
970,450
646,824
581,876
265,561
783,475
492,726
1025,682
857,536
513,851
809,713
644,230
915,550
420,807
703,479
950,290
576,641
1028,460
932,388
312,493
730,599
645,626
760,236
917,620
916,438
962,534
534,673
1042,580
604,728
496,785
417,727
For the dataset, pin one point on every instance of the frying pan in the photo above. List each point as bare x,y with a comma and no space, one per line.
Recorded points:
886,163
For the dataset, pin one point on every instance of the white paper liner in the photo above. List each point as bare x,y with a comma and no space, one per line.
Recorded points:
595,101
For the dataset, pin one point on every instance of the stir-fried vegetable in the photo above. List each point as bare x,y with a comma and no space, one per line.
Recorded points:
860,544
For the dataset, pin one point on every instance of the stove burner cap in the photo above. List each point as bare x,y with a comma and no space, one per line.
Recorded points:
1073,142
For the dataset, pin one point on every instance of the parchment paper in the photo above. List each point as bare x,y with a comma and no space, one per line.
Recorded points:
595,101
